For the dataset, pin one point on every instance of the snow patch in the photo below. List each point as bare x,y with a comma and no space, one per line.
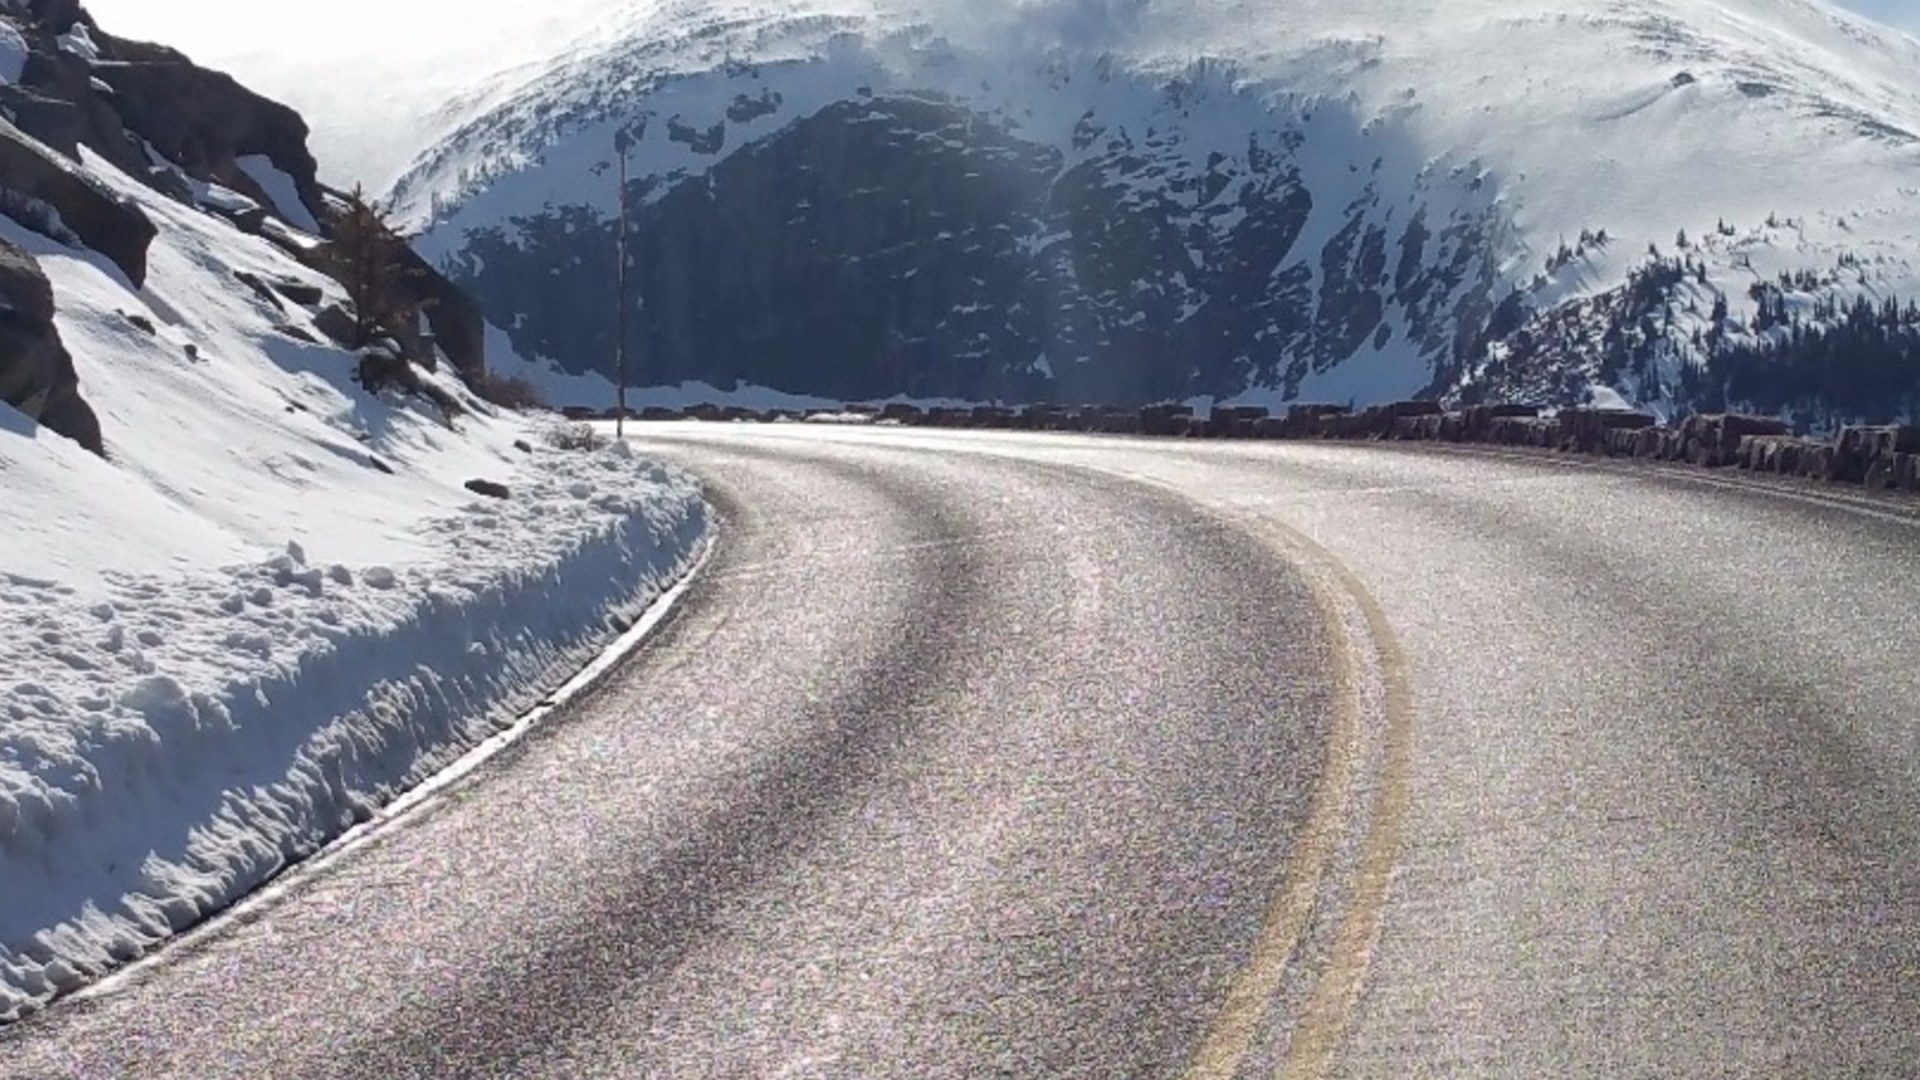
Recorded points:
13,53
281,189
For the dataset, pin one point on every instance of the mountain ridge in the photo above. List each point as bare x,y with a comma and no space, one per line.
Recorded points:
1543,121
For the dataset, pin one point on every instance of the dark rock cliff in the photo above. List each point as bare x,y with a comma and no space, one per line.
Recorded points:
909,245
36,373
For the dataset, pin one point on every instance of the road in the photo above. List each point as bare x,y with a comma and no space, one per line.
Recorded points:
1022,755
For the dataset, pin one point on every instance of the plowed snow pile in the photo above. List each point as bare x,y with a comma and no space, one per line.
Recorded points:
276,606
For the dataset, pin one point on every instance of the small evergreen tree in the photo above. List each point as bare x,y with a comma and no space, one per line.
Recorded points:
365,257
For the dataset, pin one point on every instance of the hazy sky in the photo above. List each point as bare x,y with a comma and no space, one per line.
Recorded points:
343,71
1902,13
225,27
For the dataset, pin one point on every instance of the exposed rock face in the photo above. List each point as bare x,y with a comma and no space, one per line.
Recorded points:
204,121
101,220
132,95
911,245
58,16
458,326
36,373
56,103
129,100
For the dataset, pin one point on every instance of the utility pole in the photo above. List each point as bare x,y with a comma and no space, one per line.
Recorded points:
620,144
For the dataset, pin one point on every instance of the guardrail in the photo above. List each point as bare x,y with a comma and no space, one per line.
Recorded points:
1876,457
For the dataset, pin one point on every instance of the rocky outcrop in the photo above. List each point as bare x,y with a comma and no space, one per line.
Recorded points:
58,16
204,121
459,329
119,98
31,175
36,373
58,103
123,96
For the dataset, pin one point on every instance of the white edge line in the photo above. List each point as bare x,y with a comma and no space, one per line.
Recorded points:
416,799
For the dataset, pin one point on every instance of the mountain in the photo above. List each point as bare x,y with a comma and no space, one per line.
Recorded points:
1129,200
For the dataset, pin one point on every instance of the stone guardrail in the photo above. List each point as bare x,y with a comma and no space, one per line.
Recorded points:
1875,457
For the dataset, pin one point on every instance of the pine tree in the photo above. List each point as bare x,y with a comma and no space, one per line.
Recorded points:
365,257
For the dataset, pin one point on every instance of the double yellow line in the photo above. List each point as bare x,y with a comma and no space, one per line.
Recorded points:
1323,1021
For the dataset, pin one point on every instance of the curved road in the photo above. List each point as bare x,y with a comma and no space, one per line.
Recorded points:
1004,755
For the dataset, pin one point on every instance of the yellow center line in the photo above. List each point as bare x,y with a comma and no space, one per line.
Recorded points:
1259,981
1324,1023
1336,992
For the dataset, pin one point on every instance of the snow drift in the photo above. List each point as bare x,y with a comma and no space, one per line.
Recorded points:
276,603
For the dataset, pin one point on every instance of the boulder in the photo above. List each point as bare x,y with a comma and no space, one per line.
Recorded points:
1047,418
1307,421
1165,419
59,123
1585,430
1906,471
58,16
58,103
990,416
1772,453
491,489
100,219
298,291
1535,431
337,323
36,372
1862,454
1234,421
260,288
1476,421
1713,439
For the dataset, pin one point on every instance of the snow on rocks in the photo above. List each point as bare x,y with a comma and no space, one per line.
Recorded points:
13,53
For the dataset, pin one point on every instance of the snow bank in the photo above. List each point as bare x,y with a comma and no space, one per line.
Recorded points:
276,605
165,749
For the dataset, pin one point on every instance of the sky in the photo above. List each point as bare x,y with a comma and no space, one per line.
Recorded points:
340,71
1904,14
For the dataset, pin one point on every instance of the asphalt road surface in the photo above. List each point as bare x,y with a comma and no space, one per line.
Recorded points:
1003,755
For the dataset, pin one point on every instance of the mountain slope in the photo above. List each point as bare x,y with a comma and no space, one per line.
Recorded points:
1126,201
248,600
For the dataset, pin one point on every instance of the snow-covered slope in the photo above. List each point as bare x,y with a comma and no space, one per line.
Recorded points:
1470,141
274,604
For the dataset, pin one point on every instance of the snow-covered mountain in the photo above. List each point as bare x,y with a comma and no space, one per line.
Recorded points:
1129,199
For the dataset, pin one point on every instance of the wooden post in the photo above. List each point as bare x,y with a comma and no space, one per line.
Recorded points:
621,144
